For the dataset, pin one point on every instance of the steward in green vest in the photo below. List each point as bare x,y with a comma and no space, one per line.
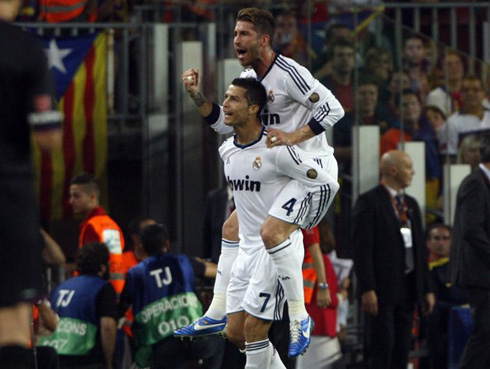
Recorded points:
86,305
161,291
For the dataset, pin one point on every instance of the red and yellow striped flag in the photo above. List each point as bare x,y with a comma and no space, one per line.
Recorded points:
79,66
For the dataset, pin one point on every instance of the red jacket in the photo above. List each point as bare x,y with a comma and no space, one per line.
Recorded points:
310,237
326,319
99,227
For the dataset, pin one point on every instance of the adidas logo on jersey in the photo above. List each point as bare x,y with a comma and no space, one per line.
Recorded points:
244,184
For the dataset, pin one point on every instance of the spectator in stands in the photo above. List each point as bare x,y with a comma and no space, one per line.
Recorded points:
287,39
469,152
470,253
378,63
471,117
415,128
323,64
97,226
417,64
411,112
164,279
340,81
86,305
447,96
438,240
368,113
435,117
390,261
398,82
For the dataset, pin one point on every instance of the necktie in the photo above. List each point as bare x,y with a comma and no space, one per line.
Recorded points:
402,213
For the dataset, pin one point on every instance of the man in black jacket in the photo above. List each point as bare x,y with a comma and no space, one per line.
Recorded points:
470,258
26,106
390,261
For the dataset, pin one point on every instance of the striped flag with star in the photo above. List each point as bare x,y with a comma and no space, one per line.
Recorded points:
79,66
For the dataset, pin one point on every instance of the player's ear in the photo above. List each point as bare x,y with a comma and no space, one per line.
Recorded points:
253,109
266,40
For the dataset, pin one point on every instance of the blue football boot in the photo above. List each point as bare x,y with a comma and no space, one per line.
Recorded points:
202,327
300,334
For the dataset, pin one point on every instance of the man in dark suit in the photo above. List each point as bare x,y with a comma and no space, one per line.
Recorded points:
470,258
391,263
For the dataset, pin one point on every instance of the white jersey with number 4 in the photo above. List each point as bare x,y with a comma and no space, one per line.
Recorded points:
257,174
294,99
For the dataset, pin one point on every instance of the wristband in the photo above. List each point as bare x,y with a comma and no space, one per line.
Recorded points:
323,286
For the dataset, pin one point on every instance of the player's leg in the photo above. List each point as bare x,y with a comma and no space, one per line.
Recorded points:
235,329
295,206
276,236
20,272
259,350
215,316
15,337
263,302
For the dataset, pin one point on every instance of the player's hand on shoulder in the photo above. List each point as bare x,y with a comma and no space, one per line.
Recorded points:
190,79
276,137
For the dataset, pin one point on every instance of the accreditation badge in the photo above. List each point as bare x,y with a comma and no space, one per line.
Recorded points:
407,237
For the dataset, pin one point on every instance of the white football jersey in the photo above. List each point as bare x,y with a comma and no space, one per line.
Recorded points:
294,99
257,174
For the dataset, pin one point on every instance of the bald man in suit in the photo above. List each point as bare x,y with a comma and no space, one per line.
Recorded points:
390,261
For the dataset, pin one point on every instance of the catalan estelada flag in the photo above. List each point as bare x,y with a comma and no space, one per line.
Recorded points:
79,67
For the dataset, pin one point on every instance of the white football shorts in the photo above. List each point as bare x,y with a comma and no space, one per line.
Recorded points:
296,204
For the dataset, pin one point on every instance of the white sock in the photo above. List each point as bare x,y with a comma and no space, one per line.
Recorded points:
229,252
276,362
259,354
288,260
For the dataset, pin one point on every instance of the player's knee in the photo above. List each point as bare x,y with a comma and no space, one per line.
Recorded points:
272,233
236,336
255,329
268,236
230,229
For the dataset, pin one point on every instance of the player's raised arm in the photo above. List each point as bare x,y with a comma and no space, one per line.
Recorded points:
211,112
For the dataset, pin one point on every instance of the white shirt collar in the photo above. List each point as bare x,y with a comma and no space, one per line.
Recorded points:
485,170
392,192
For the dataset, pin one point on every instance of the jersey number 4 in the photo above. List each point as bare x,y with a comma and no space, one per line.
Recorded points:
288,206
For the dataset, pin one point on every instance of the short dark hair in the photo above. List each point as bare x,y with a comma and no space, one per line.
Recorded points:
91,257
262,19
88,181
134,227
154,238
367,79
255,91
399,97
433,226
332,28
